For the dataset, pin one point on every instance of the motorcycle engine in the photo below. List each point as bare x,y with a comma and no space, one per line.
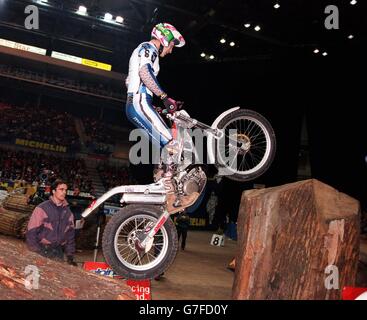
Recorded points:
193,181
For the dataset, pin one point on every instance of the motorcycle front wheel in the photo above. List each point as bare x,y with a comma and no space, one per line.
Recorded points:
120,239
254,151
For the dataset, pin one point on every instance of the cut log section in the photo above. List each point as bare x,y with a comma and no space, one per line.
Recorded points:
18,203
11,223
296,241
19,270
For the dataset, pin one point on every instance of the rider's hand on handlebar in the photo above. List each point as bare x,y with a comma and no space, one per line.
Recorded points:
172,105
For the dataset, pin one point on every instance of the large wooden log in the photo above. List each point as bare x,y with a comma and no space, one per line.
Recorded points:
289,236
57,281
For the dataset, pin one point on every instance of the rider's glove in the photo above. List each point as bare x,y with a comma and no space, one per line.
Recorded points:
170,104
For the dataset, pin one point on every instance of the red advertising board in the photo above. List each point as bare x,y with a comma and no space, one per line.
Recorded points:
354,293
141,288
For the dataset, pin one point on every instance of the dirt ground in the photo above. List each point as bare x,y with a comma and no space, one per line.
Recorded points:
198,273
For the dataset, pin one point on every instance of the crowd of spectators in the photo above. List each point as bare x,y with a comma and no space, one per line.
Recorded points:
99,131
38,124
59,81
102,138
29,167
113,176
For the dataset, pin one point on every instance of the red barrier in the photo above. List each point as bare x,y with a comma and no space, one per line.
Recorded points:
141,288
354,293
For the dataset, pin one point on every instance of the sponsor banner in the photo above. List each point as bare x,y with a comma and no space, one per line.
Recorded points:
198,222
110,210
83,61
100,268
40,145
197,212
22,46
141,288
80,194
66,57
96,64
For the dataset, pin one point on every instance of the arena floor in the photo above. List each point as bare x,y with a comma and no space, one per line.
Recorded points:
198,273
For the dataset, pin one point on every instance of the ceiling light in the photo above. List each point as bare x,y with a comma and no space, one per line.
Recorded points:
119,19
324,54
222,40
350,36
247,25
232,44
82,10
108,16
316,51
257,28
211,57
277,6
202,55
353,2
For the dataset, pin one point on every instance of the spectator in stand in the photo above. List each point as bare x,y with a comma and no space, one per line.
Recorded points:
39,124
27,166
113,176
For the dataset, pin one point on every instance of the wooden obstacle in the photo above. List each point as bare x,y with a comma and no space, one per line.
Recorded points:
12,223
25,275
296,241
18,203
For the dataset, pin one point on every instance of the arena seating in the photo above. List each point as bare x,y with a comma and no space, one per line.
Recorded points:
42,124
63,82
27,166
113,176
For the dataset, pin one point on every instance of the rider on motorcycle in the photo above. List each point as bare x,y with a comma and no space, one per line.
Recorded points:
141,84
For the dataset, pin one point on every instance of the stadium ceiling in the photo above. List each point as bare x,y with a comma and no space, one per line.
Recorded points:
250,29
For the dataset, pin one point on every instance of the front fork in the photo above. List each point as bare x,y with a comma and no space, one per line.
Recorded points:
151,230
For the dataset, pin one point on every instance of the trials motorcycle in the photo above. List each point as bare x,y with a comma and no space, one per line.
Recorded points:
140,241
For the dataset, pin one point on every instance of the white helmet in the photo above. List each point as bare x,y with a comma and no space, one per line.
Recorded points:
166,33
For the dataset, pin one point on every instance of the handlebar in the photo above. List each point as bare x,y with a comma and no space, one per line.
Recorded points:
194,123
165,111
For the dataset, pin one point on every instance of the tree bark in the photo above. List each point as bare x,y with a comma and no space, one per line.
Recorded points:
291,238
57,281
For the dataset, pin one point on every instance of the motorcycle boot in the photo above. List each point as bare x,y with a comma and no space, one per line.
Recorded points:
166,170
176,202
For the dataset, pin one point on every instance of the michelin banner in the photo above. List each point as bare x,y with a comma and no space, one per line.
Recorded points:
40,145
